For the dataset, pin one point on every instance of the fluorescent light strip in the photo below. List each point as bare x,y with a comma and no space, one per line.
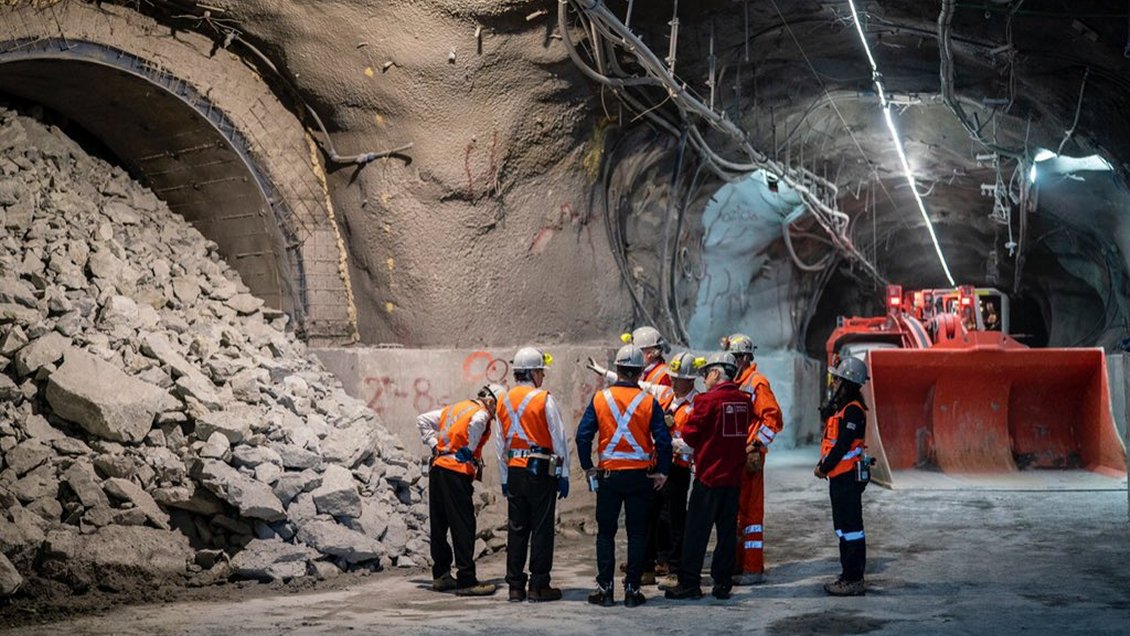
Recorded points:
889,119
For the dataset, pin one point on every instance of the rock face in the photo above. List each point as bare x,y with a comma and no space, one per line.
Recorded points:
103,400
148,404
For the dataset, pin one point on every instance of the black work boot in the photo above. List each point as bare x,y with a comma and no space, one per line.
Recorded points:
602,596
721,592
517,593
544,594
683,592
633,597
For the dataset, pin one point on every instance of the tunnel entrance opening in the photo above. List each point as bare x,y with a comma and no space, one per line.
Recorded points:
203,129
173,140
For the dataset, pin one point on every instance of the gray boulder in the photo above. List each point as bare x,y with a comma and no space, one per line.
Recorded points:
254,499
271,560
83,482
131,492
103,400
330,538
350,446
43,351
338,494
10,579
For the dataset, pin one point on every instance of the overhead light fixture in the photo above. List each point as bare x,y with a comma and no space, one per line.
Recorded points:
1066,166
885,104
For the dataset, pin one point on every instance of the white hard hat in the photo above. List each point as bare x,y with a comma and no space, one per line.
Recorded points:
738,343
684,366
647,338
529,358
630,356
851,369
492,390
721,358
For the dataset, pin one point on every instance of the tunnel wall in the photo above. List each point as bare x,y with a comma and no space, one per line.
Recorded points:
289,228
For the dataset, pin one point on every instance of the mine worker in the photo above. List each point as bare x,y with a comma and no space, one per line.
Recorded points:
765,426
633,436
456,435
716,430
654,347
668,508
847,469
533,460
672,518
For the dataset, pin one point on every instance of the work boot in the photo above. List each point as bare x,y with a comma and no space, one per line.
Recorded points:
721,592
602,596
669,582
749,578
633,597
840,587
544,594
476,589
517,593
445,583
682,593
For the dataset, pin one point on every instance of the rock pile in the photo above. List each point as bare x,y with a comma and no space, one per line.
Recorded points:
157,422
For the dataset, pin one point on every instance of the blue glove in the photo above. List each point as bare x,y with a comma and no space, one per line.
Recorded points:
506,491
562,487
464,455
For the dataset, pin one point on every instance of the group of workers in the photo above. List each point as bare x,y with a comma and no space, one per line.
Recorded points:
678,462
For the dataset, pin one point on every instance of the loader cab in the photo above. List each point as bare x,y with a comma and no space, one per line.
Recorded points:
979,308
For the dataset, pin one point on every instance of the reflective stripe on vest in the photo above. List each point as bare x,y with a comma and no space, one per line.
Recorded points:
450,417
516,430
682,414
655,373
623,432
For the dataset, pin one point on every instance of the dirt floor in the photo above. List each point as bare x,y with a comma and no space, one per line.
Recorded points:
955,562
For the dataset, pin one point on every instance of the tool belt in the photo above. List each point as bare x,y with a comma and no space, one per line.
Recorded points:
539,461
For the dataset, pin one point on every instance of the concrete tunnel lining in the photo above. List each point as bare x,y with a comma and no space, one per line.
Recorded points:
177,142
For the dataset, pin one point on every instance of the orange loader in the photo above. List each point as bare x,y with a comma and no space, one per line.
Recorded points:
954,400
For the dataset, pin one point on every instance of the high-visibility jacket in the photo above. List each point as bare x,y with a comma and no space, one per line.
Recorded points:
453,434
623,415
831,431
521,418
682,413
767,421
656,373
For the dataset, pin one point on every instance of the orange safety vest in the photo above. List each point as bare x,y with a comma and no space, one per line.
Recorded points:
521,418
761,430
623,415
657,374
831,430
454,433
682,414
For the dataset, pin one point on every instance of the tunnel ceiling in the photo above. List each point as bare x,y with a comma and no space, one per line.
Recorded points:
806,97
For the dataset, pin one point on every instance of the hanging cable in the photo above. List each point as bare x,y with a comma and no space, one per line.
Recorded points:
885,104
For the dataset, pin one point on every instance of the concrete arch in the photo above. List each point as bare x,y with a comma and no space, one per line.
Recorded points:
205,132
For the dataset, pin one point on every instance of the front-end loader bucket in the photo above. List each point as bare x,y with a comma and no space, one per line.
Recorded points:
989,410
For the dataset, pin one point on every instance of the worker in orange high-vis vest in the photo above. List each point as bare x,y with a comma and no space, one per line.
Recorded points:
767,423
654,347
533,462
456,435
666,513
848,470
634,451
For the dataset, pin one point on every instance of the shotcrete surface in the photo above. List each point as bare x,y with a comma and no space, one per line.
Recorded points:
940,562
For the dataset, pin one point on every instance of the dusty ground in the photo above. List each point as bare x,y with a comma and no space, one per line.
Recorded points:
985,562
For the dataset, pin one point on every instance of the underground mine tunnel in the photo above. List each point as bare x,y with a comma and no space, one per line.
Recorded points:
246,244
